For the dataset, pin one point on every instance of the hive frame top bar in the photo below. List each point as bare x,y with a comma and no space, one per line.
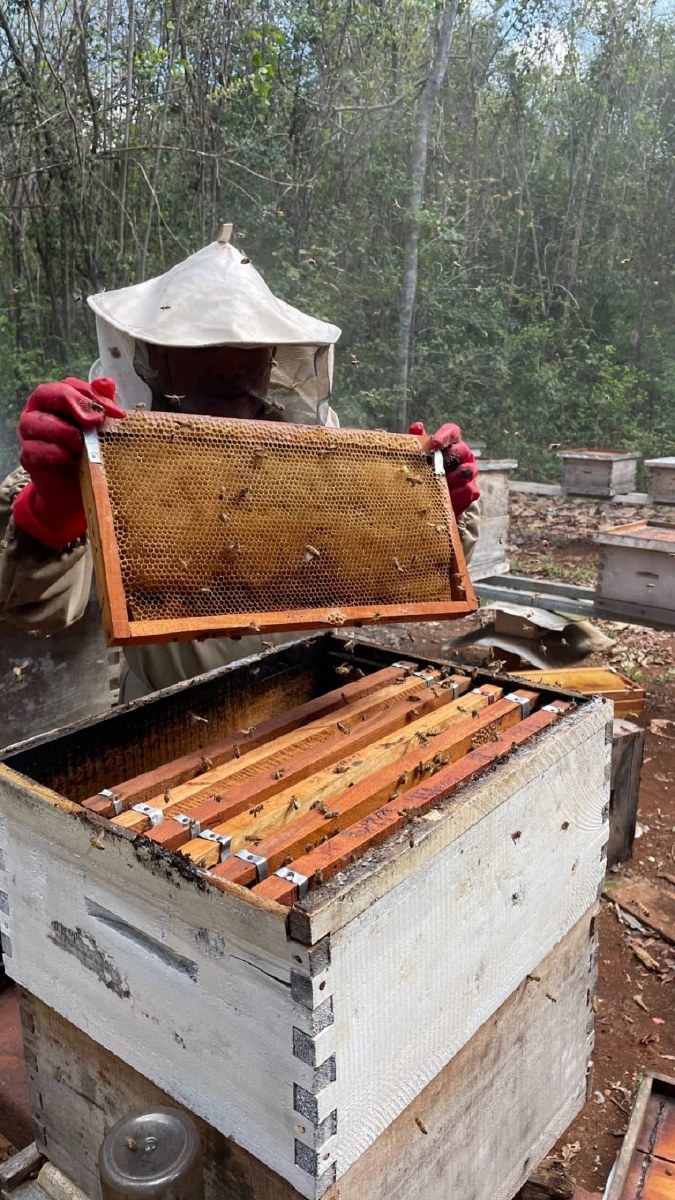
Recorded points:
196,523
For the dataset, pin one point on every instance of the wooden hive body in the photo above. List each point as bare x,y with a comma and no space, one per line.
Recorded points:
661,488
637,570
598,472
339,1045
490,554
205,526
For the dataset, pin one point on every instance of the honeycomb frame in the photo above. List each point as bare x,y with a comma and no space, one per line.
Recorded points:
206,527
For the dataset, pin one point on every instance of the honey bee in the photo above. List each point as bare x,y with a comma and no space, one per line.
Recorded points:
97,842
255,838
342,669
257,809
341,768
342,727
279,774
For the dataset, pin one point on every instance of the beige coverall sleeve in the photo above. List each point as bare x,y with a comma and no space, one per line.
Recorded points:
41,590
469,528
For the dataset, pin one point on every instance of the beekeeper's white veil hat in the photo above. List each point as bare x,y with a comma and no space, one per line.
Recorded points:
216,297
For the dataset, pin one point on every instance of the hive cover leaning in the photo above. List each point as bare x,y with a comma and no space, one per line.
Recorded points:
203,527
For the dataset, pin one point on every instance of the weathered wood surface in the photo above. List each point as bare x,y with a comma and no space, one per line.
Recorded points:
628,744
154,966
524,1072
514,868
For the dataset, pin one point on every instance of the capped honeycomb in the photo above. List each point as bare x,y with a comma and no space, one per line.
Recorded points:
212,517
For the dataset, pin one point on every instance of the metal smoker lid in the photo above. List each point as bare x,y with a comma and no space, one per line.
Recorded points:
151,1154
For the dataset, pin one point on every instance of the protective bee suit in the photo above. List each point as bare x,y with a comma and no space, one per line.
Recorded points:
213,299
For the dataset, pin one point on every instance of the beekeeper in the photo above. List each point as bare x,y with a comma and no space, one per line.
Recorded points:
207,337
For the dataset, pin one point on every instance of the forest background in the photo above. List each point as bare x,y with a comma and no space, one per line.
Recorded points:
482,195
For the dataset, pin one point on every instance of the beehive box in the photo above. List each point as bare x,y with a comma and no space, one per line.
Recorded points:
661,489
636,576
598,472
490,554
419,1020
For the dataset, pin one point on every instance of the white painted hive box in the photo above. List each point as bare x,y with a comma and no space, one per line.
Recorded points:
317,1040
637,570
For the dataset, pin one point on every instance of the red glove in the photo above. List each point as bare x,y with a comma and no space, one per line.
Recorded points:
460,465
50,507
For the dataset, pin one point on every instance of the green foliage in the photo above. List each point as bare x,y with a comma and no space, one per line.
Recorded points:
545,291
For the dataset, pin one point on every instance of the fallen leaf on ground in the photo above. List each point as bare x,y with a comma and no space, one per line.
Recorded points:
640,1003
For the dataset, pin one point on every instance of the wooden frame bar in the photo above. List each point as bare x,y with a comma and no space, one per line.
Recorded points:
395,780
180,770
122,628
209,810
320,864
277,753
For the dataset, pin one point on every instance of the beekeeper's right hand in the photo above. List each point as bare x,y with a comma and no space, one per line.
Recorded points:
50,430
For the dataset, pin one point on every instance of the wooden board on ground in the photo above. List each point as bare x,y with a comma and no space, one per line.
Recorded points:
652,904
628,697
645,1168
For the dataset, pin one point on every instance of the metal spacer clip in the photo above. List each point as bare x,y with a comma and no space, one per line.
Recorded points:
255,860
450,685
107,794
489,695
186,820
301,882
154,815
551,708
92,446
521,700
223,839
426,676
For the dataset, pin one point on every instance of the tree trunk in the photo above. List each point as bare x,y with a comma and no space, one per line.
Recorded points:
418,168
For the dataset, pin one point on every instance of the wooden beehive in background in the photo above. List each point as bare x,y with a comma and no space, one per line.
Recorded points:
636,574
490,554
203,526
661,488
339,1039
598,472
